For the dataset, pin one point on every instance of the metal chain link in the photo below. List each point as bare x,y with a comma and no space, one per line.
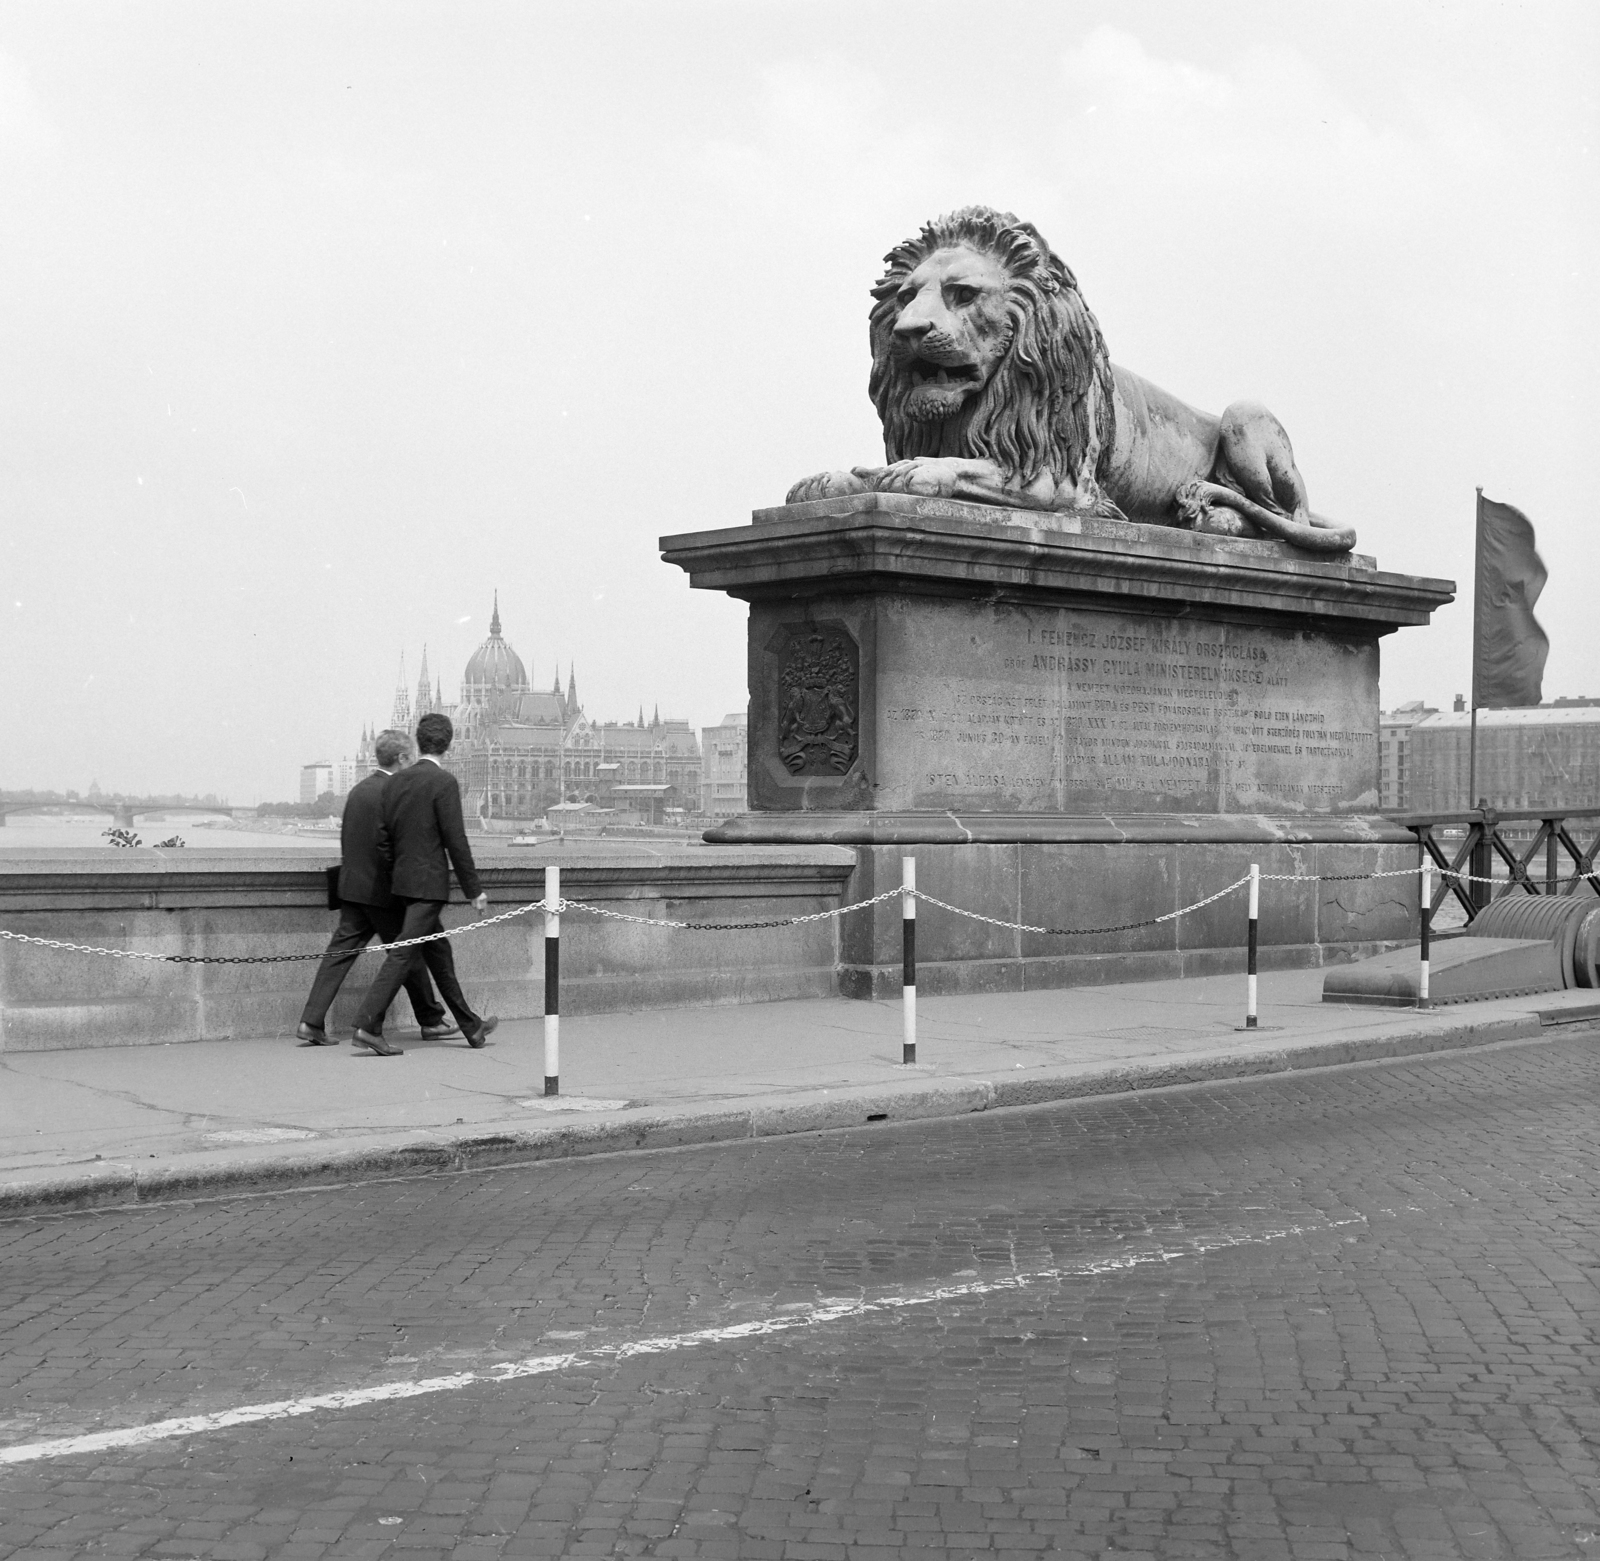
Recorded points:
87,948
1073,932
1399,872
563,906
1410,872
1567,882
733,926
265,959
560,907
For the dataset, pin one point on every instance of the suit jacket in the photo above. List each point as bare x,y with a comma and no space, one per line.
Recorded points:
422,826
364,864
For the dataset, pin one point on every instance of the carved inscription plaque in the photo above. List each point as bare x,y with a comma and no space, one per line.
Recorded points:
986,706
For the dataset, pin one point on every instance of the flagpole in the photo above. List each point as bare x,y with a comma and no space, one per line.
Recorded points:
1477,588
1472,760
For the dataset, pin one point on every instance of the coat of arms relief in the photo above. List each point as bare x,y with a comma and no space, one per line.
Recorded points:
818,704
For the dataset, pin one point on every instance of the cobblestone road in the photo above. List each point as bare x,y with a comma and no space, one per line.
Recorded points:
1344,1314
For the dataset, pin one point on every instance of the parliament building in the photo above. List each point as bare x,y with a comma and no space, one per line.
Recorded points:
519,752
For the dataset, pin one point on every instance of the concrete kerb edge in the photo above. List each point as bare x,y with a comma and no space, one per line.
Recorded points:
298,1167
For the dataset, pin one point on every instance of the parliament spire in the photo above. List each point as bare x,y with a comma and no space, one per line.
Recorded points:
400,717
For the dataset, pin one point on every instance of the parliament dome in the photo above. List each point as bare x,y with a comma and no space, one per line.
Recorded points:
494,667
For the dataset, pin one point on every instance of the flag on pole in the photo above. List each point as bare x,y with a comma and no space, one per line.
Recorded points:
1508,646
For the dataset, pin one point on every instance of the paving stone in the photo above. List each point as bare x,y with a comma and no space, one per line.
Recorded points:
1412,1373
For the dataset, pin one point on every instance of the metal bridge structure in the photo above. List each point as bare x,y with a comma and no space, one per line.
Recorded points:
1568,840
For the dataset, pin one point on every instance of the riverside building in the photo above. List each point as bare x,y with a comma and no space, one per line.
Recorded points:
1544,756
1394,754
519,751
723,750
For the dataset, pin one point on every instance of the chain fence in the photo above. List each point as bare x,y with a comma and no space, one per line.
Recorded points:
1082,932
563,906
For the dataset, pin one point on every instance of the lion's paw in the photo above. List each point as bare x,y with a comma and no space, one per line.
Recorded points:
926,477
938,477
825,485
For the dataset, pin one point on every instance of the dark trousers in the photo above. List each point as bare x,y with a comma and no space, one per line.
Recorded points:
358,926
420,917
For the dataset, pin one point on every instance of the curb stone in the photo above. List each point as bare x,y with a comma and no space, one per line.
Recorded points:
121,1183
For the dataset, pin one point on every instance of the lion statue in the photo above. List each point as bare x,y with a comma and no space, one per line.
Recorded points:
993,384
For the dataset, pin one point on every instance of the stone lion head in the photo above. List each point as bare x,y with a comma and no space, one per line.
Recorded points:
983,347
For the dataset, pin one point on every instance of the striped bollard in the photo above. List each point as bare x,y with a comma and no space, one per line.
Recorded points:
552,981
1250,954
1425,923
908,959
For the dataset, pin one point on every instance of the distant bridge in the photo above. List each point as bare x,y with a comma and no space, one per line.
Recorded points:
122,814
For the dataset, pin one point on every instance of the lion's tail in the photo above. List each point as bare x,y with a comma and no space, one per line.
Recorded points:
1195,499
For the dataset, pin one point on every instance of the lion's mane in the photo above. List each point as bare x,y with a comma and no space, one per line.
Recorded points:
1048,406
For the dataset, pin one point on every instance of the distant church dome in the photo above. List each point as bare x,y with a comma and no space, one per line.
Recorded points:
494,668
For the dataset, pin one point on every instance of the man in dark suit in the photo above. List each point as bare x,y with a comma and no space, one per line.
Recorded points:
366,909
423,838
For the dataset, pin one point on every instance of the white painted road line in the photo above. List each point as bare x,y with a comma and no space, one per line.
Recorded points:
810,1316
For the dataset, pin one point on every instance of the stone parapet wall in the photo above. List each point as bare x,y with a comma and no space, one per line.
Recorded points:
1051,872
1099,880
232,903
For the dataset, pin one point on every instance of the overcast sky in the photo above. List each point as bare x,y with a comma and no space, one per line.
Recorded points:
323,322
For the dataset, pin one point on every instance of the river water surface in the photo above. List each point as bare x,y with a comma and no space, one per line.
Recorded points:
56,832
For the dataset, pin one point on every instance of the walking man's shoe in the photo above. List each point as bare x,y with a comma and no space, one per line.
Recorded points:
314,1035
377,1044
440,1032
480,1036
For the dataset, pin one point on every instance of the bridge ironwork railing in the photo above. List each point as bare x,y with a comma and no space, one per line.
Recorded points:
1488,833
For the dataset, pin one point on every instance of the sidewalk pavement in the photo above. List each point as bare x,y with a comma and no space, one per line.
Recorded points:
129,1124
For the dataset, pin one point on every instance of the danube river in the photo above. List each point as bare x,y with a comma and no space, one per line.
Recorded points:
56,832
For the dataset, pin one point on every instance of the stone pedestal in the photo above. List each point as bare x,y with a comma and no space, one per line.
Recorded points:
1075,722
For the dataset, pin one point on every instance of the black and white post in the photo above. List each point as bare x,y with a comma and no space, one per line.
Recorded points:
908,959
1424,925
1250,953
552,981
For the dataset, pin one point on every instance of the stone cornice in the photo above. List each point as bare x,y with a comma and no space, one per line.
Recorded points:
861,828
105,880
890,543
